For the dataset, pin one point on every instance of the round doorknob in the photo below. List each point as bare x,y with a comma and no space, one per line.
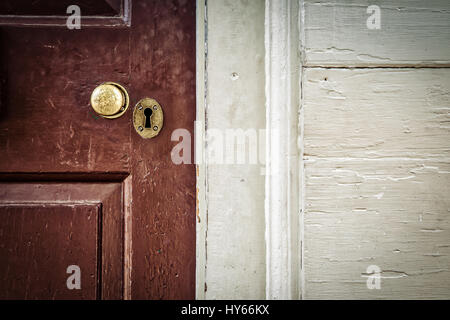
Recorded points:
110,100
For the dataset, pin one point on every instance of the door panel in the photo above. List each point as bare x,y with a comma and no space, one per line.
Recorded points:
47,123
54,148
102,13
49,8
53,203
39,242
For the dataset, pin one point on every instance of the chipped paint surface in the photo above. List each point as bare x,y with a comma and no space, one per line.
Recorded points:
48,131
235,248
377,172
380,113
374,143
412,32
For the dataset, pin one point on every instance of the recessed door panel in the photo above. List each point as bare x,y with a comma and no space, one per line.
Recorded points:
40,243
47,227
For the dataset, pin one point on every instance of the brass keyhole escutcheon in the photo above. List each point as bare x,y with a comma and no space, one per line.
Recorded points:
148,118
110,100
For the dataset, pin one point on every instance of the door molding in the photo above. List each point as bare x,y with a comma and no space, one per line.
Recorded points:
201,189
283,171
122,20
283,199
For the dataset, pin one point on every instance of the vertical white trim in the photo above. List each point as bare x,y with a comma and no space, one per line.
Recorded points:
301,140
201,208
282,203
128,238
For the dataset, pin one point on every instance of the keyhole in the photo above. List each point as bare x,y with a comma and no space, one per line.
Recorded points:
148,113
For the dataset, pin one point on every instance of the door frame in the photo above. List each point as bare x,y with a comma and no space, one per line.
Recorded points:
284,183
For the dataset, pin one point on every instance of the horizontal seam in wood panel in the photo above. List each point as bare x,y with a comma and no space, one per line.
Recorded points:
306,158
412,67
63,177
49,203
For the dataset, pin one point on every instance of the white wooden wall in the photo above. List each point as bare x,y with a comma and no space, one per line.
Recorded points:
413,33
376,108
373,143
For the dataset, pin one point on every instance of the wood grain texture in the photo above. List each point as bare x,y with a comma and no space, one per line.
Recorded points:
106,196
59,7
412,33
235,249
201,168
377,113
47,124
393,214
163,207
49,131
28,13
40,241
377,182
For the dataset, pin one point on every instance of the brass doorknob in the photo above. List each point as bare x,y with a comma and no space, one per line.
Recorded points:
110,100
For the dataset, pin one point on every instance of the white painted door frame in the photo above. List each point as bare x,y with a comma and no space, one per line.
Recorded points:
283,204
283,141
201,190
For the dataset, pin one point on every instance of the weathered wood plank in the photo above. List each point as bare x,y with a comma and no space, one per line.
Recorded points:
377,182
376,113
235,99
412,32
389,213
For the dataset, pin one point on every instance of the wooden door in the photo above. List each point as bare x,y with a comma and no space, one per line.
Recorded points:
80,190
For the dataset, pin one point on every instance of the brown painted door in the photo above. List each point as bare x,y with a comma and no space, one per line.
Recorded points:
81,191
